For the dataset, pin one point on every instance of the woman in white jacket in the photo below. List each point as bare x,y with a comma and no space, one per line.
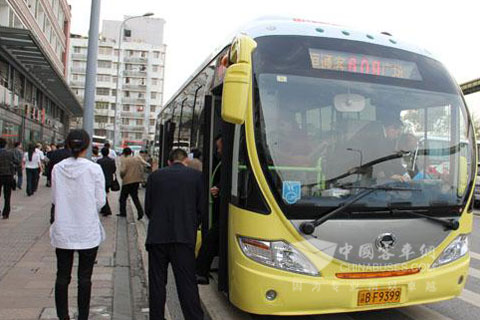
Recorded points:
78,193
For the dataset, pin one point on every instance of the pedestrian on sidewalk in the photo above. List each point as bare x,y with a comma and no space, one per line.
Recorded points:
131,172
7,169
57,156
33,165
109,168
48,158
173,203
18,154
78,193
95,154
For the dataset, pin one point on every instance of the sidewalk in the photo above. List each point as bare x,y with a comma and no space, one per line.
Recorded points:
27,262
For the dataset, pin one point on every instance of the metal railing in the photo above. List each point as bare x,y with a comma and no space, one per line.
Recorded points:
129,128
133,100
78,69
134,73
130,86
128,114
135,59
79,56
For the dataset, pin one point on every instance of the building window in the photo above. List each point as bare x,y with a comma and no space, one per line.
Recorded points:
126,107
125,121
139,122
155,68
112,106
152,122
103,77
77,49
104,64
156,54
153,95
105,51
152,108
101,119
100,105
154,82
103,91
138,135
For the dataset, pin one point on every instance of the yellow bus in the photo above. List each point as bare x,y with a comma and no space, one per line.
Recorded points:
347,169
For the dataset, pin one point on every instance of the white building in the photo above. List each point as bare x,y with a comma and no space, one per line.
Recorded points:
140,94
36,103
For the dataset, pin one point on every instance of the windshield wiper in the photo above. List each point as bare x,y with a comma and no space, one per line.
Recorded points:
450,224
363,168
308,227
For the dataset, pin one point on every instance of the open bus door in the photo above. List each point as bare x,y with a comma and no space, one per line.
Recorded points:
166,141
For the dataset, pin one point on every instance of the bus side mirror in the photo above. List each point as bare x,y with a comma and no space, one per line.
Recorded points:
236,86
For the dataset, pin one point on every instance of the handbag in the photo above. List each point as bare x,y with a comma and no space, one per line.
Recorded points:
13,185
115,185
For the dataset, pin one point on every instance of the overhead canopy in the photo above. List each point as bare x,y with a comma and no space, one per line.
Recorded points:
470,86
25,52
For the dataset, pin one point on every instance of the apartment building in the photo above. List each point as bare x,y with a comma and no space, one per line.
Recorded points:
140,88
36,103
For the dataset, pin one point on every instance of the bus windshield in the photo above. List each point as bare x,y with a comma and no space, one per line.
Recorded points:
331,121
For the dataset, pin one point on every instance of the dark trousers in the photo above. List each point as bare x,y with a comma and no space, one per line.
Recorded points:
208,251
33,176
182,258
19,177
106,208
6,185
131,190
86,260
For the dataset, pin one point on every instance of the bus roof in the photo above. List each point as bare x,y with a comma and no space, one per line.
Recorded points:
276,26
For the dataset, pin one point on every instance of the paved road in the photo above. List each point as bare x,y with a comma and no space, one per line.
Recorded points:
465,307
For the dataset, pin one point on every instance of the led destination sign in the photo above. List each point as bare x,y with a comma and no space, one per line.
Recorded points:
358,63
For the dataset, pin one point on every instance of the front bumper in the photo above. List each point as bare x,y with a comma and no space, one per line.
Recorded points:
302,295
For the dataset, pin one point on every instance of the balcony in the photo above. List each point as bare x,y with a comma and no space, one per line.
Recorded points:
78,69
133,115
104,112
138,87
135,60
134,73
79,56
103,125
77,83
129,128
131,100
104,98
104,70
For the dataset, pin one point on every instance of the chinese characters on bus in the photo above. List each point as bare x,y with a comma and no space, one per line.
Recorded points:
357,63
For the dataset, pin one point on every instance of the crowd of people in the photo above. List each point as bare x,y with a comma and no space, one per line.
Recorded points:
80,185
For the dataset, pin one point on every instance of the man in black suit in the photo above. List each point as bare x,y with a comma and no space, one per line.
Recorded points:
173,203
109,168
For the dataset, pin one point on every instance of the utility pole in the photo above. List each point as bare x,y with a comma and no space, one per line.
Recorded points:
91,77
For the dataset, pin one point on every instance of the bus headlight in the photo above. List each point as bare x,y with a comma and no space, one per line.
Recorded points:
455,250
277,254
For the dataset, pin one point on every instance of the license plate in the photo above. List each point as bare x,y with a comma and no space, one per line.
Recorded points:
379,296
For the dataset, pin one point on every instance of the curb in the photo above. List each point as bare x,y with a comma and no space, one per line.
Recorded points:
141,228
